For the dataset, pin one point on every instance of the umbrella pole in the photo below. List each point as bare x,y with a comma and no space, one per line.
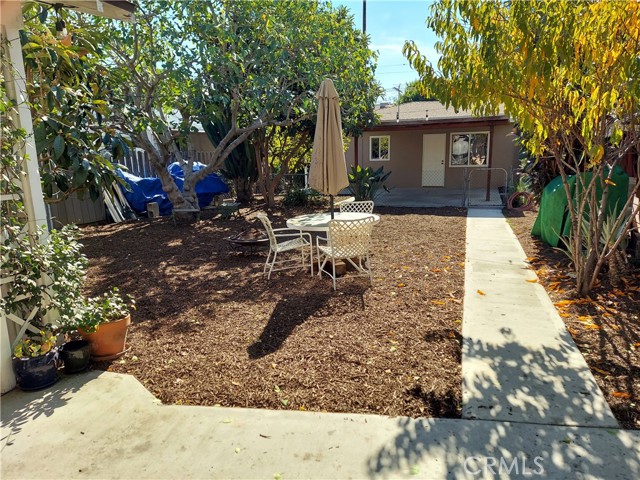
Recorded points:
331,205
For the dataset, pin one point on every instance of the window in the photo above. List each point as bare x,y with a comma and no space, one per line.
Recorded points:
469,149
380,148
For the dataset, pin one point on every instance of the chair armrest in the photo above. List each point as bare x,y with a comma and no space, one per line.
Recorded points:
324,239
306,236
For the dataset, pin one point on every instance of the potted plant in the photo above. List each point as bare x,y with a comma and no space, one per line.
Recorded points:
35,361
76,355
105,322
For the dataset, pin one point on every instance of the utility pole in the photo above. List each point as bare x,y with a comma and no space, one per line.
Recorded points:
364,16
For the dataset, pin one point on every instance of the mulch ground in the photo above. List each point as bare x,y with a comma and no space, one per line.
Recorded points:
210,330
605,326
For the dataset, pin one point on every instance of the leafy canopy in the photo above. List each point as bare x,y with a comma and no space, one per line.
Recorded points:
555,65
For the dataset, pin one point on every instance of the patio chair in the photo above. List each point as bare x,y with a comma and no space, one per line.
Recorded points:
297,241
347,240
360,207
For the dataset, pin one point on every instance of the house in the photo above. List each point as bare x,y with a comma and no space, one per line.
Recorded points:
426,144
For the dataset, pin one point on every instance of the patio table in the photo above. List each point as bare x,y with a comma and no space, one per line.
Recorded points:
319,222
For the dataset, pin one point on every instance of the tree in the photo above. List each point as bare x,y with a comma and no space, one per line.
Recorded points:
414,92
568,73
259,62
271,58
151,81
70,104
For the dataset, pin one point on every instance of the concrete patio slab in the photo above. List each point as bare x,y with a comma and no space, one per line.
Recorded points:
428,197
519,363
421,197
106,425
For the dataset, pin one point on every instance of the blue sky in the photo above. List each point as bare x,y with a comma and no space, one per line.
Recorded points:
389,24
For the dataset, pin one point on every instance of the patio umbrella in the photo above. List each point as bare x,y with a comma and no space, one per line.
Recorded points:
328,172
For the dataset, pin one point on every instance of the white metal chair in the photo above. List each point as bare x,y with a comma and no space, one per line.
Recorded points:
360,207
297,241
347,240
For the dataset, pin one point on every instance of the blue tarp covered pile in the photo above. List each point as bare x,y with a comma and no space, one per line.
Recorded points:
145,190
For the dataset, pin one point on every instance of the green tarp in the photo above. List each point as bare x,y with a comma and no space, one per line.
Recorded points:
553,216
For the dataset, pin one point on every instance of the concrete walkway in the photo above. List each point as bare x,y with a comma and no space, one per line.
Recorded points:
519,362
106,425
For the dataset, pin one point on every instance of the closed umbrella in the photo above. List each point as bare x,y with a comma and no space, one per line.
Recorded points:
328,172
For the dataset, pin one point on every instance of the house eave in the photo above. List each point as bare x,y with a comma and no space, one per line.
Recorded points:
115,9
439,123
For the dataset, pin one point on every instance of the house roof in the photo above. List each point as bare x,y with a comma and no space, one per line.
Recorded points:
415,113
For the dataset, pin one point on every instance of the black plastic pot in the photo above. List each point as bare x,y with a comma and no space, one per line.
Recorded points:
38,372
76,355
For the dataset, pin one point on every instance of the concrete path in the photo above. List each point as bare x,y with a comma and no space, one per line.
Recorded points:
106,425
519,362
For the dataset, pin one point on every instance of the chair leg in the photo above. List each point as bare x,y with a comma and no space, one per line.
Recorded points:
273,262
266,263
333,267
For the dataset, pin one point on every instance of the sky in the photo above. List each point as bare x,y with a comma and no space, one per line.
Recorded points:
389,24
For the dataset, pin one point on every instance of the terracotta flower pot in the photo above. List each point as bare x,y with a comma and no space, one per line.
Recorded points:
109,340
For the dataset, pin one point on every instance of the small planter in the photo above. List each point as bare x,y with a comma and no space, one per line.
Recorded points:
109,340
76,355
37,372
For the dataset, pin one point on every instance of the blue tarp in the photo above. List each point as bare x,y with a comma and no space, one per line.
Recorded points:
145,190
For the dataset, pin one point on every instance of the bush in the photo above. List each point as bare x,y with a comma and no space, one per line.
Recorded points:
366,184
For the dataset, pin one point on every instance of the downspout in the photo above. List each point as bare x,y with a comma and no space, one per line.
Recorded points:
355,151
490,153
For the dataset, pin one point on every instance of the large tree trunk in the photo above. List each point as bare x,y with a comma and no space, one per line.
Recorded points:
244,190
159,158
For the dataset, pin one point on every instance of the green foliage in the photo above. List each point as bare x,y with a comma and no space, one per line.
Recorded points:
414,92
48,271
295,196
11,160
32,346
71,106
366,183
272,56
241,162
107,308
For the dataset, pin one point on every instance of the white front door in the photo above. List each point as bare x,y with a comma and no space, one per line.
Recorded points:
433,151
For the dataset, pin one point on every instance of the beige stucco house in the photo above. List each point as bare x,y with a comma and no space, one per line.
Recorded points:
425,144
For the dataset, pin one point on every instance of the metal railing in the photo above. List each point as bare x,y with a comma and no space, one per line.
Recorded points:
485,187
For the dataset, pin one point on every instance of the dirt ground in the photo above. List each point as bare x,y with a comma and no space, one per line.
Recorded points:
210,330
605,326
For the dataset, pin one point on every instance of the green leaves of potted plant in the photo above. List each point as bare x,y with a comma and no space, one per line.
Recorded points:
104,322
35,361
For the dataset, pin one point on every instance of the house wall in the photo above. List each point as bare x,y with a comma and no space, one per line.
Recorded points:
406,155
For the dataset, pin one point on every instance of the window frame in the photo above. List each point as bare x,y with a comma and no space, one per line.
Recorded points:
371,159
468,164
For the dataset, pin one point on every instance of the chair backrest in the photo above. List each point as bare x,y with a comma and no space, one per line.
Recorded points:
350,238
267,226
360,207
